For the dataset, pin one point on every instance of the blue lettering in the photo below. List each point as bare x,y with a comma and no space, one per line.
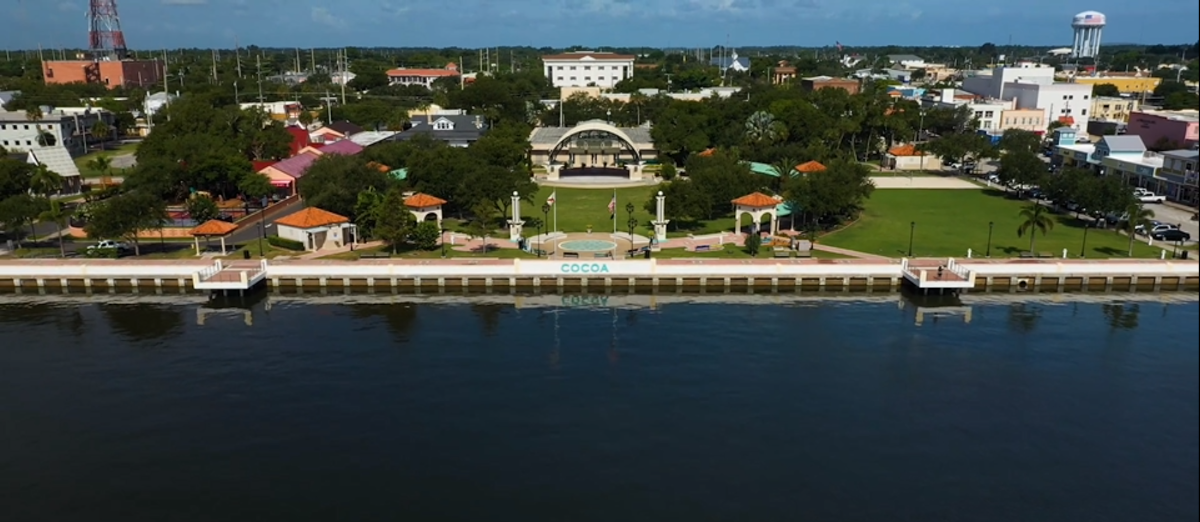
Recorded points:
584,268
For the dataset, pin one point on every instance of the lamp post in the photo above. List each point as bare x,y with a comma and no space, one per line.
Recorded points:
912,230
539,239
545,218
443,242
633,223
262,232
991,225
1083,247
608,114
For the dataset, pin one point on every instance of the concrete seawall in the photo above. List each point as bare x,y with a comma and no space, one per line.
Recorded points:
634,275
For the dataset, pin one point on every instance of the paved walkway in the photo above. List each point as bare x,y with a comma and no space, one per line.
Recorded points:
900,181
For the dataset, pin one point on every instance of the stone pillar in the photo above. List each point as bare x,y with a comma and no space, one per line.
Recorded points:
552,171
660,221
635,172
515,222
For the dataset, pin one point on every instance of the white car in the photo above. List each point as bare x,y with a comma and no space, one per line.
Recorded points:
1155,228
109,244
1150,197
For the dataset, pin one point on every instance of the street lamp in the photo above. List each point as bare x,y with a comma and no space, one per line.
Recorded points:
539,239
912,229
262,232
991,225
608,113
633,223
1083,247
545,220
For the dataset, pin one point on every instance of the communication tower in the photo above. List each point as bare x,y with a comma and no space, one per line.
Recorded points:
105,39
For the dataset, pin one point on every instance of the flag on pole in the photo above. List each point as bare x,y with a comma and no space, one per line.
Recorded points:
551,198
839,46
612,205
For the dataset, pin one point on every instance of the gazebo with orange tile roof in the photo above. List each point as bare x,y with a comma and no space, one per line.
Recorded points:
212,228
317,229
423,205
810,167
756,205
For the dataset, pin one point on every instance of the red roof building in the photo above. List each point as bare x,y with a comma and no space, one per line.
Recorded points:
422,77
300,139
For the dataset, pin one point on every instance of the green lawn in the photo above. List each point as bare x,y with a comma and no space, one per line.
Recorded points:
501,253
82,161
948,222
578,208
732,252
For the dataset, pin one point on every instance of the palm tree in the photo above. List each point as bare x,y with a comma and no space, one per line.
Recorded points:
102,132
58,215
1035,218
45,182
761,127
101,165
1139,216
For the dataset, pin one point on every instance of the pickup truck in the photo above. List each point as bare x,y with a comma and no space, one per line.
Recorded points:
110,244
1150,197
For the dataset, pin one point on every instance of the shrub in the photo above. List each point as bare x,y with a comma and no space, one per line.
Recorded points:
285,243
427,235
668,171
102,253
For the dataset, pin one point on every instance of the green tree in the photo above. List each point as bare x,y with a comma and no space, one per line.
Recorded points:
721,178
1136,216
255,185
19,211
122,217
334,182
102,132
957,147
683,204
59,215
427,235
1021,169
762,128
44,181
1018,140
668,171
1107,90
752,244
101,165
393,223
1035,219
482,223
202,208
1178,101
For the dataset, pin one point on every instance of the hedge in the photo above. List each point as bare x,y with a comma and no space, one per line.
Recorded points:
285,243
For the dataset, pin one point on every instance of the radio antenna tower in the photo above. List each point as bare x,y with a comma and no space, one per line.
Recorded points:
105,39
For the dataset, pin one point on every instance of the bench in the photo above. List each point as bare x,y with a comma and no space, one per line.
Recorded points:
602,255
570,255
375,255
1042,255
540,253
702,248
804,253
782,252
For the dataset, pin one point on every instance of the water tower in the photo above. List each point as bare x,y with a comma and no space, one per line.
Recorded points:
1088,26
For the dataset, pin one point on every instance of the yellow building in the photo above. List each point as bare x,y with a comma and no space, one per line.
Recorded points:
1108,108
1032,120
1128,84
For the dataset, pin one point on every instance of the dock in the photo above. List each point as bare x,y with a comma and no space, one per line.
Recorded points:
935,274
232,277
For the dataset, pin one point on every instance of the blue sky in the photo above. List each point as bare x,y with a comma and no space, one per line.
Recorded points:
153,24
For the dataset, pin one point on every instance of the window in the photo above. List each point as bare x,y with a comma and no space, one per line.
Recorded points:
26,127
572,67
1086,96
587,78
1105,107
587,67
572,78
560,78
1083,112
443,125
978,114
560,67
989,114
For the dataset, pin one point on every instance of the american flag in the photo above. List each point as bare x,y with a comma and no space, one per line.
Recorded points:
550,200
612,205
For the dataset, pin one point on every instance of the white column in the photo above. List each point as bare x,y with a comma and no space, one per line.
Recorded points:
514,222
660,214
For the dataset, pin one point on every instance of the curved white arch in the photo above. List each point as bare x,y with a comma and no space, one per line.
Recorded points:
595,125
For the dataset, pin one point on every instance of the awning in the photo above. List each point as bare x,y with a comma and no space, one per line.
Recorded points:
280,183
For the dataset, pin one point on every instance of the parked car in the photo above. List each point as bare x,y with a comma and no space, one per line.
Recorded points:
1150,197
992,178
1155,227
1173,234
108,244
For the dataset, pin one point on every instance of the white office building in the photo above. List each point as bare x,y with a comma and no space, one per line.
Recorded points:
587,69
1032,86
67,127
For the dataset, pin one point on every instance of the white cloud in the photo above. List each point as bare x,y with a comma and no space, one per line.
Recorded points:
322,16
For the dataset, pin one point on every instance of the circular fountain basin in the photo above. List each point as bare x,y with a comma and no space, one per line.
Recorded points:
587,245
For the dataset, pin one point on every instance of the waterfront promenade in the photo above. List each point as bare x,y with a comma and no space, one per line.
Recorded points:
926,274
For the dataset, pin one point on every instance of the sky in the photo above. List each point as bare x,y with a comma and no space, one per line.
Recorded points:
158,24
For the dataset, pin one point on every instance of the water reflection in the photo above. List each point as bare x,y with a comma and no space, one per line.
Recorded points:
1023,318
1121,316
489,317
144,322
400,318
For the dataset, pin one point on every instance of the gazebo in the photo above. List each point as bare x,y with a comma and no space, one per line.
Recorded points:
213,228
423,206
756,205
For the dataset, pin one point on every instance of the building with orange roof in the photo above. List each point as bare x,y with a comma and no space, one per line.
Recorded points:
425,207
908,157
422,77
317,229
809,167
212,228
757,205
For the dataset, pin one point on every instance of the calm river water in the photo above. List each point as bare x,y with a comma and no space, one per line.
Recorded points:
591,409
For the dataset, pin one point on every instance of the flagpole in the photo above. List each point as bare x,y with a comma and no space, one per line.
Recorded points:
614,216
555,205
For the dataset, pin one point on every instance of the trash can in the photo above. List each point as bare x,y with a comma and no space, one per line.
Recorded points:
647,253
1183,254
245,254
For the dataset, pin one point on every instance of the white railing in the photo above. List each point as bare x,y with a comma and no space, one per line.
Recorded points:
209,271
957,269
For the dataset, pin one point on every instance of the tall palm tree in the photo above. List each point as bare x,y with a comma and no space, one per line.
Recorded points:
45,182
1139,216
1035,218
761,127
58,215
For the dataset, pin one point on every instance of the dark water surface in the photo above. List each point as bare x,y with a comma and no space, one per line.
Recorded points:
823,411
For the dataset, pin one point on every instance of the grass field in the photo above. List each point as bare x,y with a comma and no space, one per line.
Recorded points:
948,222
578,208
82,161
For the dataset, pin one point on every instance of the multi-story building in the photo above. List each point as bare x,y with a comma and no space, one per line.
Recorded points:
849,85
1124,84
67,127
1163,130
988,112
587,69
1032,86
990,83
1109,108
422,77
1032,120
110,73
285,111
1179,174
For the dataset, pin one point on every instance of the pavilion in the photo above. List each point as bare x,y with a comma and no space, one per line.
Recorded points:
210,229
756,205
593,147
424,207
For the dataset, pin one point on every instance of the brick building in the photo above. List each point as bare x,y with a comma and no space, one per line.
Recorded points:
110,73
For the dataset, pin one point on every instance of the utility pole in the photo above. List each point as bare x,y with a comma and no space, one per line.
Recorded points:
328,108
258,68
215,79
344,68
312,61
237,52
297,60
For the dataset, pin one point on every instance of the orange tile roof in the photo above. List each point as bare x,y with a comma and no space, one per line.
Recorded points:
707,152
379,166
756,200
214,227
904,150
423,73
312,217
420,200
810,166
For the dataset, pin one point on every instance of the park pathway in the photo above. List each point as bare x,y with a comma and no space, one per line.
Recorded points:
848,253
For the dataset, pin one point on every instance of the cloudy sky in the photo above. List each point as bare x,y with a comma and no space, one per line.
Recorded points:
154,24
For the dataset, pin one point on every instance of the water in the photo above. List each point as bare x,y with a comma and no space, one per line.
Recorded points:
692,412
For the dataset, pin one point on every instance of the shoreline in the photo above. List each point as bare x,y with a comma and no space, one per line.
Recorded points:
938,275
